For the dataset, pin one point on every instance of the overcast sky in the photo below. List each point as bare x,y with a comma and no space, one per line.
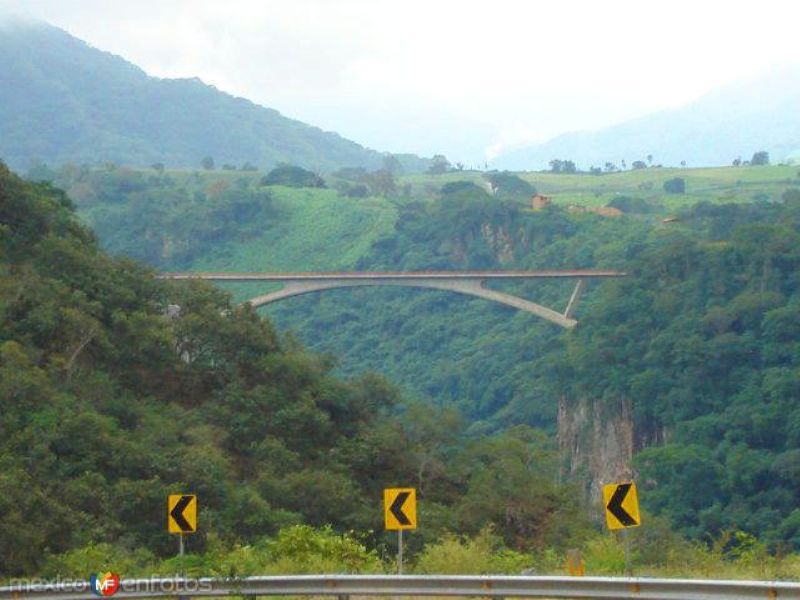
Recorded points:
464,78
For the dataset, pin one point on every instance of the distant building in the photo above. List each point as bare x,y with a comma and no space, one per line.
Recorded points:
538,201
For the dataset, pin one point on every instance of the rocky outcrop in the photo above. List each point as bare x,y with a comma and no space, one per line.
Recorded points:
500,242
596,442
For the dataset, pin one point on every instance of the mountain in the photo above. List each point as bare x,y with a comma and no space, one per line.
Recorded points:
63,101
759,113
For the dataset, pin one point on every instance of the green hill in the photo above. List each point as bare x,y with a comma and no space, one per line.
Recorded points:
63,101
693,353
118,389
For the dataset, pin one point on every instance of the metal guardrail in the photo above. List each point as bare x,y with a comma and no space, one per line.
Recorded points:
430,585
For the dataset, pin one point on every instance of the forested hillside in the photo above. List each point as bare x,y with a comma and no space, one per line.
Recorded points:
117,389
63,101
691,361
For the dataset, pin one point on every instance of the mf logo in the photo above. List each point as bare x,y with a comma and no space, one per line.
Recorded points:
104,584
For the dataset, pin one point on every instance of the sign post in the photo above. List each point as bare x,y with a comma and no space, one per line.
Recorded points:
400,513
181,516
622,512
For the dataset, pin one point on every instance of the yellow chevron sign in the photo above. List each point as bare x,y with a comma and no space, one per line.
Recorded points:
622,505
182,513
400,508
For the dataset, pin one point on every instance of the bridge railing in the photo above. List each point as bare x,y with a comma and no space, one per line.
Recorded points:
487,586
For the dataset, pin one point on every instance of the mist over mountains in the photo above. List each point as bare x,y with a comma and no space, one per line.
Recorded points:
62,100
759,113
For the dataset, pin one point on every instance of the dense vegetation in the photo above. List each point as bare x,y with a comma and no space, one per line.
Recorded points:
64,101
698,340
117,389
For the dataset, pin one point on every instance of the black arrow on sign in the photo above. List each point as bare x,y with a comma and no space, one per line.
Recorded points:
397,508
177,514
614,505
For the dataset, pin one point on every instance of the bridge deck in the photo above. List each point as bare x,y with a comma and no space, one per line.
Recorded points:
398,275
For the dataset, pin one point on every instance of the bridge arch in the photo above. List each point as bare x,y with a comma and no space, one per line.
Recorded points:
470,283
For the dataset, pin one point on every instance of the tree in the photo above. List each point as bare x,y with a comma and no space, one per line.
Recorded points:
737,162
760,158
457,187
381,182
676,185
508,184
649,159
208,163
683,163
292,176
569,166
391,164
158,167
439,164
555,165
638,164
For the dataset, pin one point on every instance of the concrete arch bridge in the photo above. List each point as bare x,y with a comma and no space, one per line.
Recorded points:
470,283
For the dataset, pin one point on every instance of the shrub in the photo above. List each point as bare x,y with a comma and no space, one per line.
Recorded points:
93,558
676,185
605,556
455,187
481,554
509,184
303,549
292,176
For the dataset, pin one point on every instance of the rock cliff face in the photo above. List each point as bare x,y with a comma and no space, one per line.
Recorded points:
596,442
500,242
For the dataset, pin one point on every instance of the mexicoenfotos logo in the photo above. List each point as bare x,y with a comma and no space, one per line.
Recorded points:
104,585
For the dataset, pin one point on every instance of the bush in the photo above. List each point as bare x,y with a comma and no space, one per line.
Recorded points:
297,549
628,204
455,187
508,184
483,554
676,185
605,556
292,176
93,558
303,549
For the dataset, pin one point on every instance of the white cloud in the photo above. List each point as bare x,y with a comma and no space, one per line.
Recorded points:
464,77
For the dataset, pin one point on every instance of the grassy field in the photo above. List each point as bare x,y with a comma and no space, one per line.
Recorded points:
318,229
315,230
718,185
